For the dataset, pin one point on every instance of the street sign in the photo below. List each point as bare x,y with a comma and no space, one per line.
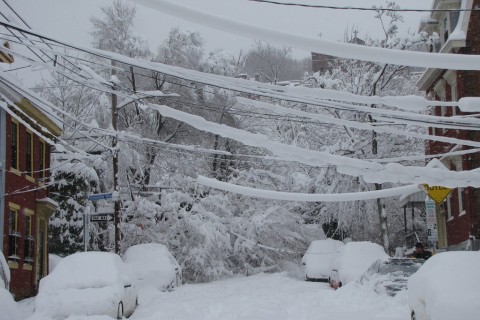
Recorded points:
437,193
104,217
99,196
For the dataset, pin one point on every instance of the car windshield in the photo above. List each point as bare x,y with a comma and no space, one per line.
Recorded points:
407,268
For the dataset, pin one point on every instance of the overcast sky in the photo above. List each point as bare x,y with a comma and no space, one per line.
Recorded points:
69,19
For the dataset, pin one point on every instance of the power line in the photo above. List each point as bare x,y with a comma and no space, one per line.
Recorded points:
317,6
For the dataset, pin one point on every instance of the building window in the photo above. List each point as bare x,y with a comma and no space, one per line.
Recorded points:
14,146
41,165
29,155
29,239
445,29
449,207
461,207
13,234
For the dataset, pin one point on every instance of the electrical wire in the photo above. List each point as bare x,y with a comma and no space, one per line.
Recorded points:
186,79
317,6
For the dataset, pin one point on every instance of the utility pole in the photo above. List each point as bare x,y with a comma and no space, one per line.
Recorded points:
116,212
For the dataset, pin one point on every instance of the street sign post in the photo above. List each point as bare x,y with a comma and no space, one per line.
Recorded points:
103,217
437,193
432,231
99,196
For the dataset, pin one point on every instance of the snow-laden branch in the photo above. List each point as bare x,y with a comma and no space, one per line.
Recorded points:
306,197
338,49
371,172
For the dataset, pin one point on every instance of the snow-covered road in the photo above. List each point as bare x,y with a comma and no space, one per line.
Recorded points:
269,297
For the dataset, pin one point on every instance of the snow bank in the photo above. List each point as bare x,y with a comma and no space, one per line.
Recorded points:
8,307
446,287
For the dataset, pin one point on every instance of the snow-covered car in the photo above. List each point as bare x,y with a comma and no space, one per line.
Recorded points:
153,265
4,273
53,260
446,287
352,260
390,276
85,284
318,257
8,307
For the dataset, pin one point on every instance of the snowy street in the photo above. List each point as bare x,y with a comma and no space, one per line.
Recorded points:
270,296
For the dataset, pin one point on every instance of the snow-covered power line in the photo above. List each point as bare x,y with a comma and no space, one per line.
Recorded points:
320,6
370,171
293,94
338,49
306,197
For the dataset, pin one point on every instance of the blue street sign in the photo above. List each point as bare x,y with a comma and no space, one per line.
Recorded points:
99,196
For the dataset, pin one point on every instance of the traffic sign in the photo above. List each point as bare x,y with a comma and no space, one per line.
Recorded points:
99,196
104,217
437,193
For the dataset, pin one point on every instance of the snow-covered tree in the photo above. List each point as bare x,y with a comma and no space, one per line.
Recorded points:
73,183
113,31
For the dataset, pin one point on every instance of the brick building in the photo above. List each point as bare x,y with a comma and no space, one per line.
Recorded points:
26,128
458,32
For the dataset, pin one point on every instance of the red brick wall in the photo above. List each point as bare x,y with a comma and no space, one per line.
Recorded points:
460,228
23,280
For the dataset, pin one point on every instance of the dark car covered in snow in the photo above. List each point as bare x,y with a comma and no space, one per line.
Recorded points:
390,275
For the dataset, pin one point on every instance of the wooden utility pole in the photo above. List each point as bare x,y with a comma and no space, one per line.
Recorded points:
116,212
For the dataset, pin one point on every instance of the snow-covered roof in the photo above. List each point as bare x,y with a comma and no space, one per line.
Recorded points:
12,90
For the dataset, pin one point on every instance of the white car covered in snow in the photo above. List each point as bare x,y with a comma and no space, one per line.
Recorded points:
4,273
446,287
8,307
318,257
87,283
352,260
153,265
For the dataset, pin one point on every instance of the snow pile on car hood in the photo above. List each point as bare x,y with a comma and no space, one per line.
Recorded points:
84,270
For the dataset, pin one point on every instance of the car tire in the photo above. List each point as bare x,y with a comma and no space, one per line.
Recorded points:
120,311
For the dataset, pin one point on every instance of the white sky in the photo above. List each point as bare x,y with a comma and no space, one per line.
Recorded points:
69,19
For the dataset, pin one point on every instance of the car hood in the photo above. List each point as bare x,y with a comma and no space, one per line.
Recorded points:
60,304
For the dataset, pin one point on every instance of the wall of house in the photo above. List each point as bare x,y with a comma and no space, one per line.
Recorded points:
2,173
470,87
465,221
22,193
